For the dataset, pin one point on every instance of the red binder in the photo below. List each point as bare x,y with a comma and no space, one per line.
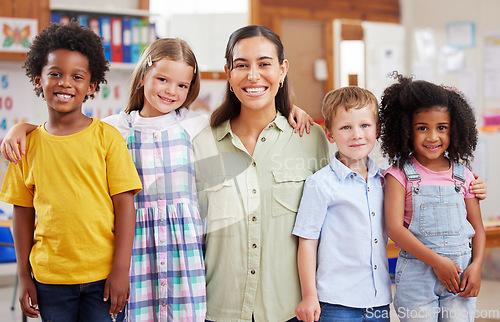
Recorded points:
116,40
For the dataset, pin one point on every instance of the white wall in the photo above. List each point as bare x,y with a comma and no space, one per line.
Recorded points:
417,15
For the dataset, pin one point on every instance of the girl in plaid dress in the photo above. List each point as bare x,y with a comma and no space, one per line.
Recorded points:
167,281
167,277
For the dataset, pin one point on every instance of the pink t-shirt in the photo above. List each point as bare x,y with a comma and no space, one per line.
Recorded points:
428,177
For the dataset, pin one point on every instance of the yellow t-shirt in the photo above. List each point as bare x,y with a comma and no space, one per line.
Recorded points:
69,180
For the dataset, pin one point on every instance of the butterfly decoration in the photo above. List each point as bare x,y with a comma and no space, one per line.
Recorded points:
16,36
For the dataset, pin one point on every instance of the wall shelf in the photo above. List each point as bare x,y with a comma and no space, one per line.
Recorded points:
102,10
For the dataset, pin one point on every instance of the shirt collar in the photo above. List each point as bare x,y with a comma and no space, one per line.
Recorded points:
225,128
342,171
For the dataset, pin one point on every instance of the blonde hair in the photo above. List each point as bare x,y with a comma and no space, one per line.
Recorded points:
173,49
347,97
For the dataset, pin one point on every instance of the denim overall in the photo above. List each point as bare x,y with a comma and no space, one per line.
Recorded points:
439,221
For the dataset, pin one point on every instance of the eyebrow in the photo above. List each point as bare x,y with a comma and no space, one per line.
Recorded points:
423,123
244,59
79,70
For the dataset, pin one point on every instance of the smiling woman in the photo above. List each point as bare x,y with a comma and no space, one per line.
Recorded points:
250,193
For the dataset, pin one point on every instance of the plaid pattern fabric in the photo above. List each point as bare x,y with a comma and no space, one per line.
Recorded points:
167,271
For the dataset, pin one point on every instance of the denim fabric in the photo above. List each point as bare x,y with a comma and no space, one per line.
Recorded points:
75,302
339,313
420,295
439,221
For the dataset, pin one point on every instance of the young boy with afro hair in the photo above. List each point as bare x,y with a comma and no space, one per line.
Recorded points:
78,177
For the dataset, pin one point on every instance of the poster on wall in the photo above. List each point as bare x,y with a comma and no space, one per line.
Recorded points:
17,34
17,99
491,66
461,34
112,98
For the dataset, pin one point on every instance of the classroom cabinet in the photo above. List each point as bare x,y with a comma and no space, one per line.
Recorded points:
42,10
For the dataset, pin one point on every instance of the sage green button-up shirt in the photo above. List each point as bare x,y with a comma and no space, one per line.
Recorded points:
250,203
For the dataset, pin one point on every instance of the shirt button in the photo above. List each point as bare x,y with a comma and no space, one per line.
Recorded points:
254,164
352,176
373,214
162,283
376,240
263,139
254,191
254,246
252,271
162,263
375,267
271,126
368,188
254,218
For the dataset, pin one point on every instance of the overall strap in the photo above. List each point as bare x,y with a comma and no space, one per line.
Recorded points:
458,176
412,176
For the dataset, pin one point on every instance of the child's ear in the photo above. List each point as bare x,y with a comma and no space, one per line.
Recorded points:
91,89
329,136
36,81
379,129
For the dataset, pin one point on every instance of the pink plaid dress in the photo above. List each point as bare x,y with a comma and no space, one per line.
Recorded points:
167,272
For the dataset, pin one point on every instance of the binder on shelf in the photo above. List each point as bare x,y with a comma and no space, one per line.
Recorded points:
55,17
152,32
135,50
116,40
127,40
94,25
64,20
143,34
105,31
83,20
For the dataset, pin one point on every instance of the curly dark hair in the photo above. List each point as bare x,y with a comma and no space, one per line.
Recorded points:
399,103
71,36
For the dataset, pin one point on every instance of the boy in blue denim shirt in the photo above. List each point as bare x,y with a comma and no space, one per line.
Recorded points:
342,255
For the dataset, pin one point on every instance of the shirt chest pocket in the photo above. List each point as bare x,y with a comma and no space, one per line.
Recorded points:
220,203
287,190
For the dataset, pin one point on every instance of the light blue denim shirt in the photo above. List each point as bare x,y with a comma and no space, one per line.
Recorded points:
345,213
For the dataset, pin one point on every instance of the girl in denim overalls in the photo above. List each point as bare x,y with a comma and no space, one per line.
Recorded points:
429,133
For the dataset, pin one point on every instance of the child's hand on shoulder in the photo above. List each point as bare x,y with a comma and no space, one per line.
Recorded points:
308,310
300,120
471,281
14,143
478,187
